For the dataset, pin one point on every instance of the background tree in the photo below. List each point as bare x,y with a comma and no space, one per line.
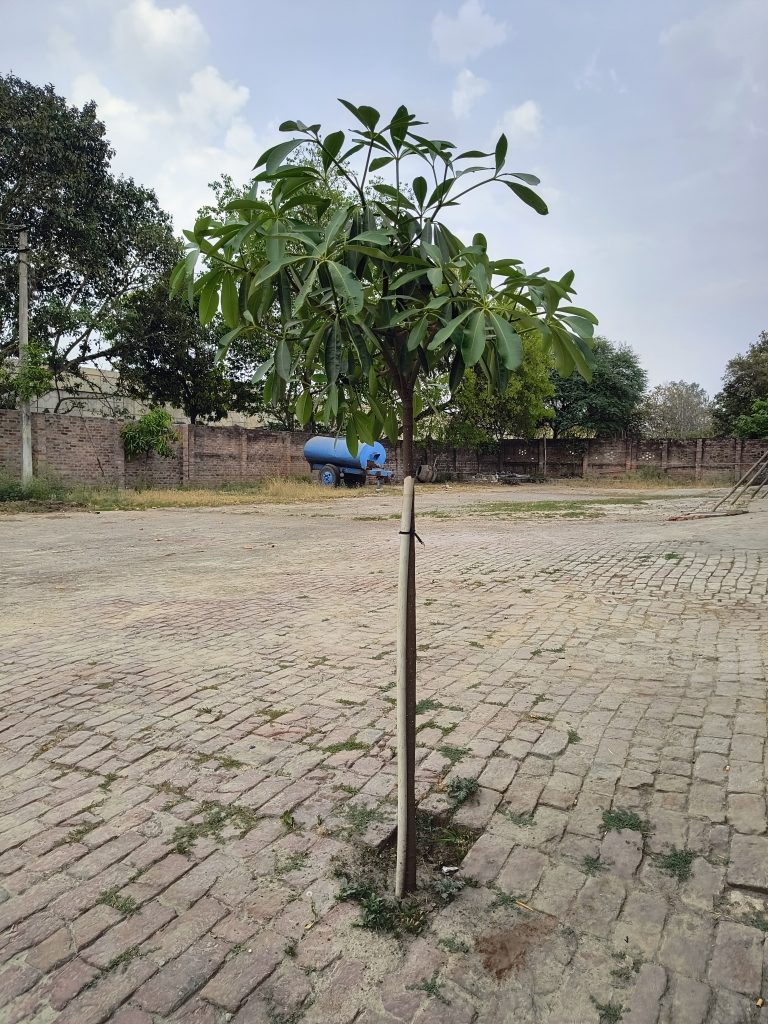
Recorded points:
606,406
478,416
744,382
94,237
375,289
677,410
756,423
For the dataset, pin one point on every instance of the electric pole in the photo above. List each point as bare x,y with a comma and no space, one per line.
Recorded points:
26,417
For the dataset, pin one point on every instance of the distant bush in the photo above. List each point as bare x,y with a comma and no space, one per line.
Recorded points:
40,488
152,433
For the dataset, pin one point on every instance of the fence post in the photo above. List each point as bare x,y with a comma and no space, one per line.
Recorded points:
699,454
585,459
664,456
119,456
542,456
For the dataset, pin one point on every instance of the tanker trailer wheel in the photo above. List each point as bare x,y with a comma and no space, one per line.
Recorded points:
329,476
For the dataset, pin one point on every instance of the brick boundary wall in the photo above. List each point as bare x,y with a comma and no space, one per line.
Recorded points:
88,450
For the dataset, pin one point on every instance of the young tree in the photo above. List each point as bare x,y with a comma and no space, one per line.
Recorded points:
378,289
677,410
744,382
606,406
94,238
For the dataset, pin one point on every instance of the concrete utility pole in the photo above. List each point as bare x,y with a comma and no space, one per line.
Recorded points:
26,417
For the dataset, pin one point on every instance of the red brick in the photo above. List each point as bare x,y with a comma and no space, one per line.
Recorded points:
241,975
130,932
182,977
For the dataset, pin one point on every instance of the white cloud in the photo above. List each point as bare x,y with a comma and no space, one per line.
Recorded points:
467,89
521,124
467,34
159,35
175,122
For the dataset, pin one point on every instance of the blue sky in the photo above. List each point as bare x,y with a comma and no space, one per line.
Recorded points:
645,121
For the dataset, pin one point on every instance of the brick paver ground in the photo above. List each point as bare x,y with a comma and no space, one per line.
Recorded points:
234,667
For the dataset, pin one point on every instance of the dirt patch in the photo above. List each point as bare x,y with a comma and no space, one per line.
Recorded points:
505,951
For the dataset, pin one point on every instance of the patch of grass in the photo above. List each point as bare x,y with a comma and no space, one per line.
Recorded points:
109,778
125,904
288,821
433,987
104,686
204,711
349,703
453,945
360,817
79,832
292,862
672,556
230,763
573,736
521,820
337,748
344,788
592,866
453,754
758,919
617,819
380,913
609,1013
677,863
215,818
462,789
432,724
502,899
273,713
628,969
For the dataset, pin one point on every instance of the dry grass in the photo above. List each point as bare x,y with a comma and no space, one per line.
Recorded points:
266,492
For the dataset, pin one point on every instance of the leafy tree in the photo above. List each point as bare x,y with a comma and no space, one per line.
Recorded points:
94,237
152,433
744,382
756,424
480,417
166,357
378,288
677,410
606,406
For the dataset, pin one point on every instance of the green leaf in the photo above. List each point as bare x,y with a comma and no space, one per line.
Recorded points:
262,370
347,285
367,116
529,179
314,345
274,157
479,276
398,128
507,341
230,303
500,152
528,196
417,335
446,332
333,354
331,145
377,237
441,191
305,289
379,162
351,437
209,302
228,338
304,406
581,326
364,427
580,312
289,126
473,342
283,360
391,426
435,276
420,189
457,371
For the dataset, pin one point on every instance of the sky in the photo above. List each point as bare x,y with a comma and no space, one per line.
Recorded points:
646,123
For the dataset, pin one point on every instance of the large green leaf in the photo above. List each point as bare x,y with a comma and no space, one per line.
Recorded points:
500,152
331,145
367,116
283,360
230,303
446,332
273,157
420,189
417,335
528,196
507,341
473,341
209,302
304,406
347,285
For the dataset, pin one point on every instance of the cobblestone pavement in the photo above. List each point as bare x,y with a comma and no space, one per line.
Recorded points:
197,721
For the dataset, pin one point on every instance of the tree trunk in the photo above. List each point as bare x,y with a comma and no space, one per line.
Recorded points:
405,878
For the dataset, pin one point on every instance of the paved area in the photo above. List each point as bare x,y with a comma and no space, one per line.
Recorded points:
197,723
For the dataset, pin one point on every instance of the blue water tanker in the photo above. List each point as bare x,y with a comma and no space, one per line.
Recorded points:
335,463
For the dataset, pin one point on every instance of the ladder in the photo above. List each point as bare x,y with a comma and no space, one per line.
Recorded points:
733,504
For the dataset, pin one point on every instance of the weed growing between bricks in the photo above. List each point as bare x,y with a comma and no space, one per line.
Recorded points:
678,863
366,877
215,817
615,820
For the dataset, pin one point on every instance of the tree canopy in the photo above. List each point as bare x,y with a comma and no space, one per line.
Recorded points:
756,423
677,410
606,406
94,237
377,288
744,382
